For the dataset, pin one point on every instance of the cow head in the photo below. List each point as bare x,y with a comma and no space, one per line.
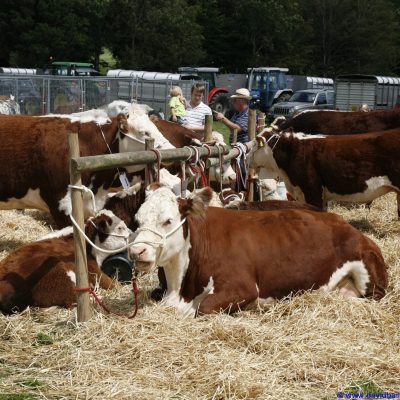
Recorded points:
136,128
161,238
261,153
108,232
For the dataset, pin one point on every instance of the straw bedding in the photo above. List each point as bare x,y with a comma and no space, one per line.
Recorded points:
309,346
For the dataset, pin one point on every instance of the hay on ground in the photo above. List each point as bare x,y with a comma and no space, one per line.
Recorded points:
308,346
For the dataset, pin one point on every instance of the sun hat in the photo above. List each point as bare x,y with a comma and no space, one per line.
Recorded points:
241,93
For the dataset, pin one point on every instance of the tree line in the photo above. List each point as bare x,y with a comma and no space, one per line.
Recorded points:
314,37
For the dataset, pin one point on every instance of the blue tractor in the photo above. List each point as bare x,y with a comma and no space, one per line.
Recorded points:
267,85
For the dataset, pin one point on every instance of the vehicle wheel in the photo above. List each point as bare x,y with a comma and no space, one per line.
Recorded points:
220,103
283,97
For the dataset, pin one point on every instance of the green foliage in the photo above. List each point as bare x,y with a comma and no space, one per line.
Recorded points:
321,37
44,339
363,387
33,382
222,129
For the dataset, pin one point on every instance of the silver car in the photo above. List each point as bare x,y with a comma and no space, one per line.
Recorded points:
311,99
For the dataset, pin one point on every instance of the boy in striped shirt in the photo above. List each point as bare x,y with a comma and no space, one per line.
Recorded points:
196,110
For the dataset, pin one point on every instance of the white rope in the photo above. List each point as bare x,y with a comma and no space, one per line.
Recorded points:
163,236
86,190
76,225
158,146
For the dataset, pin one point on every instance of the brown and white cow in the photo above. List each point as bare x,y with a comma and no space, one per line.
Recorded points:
219,259
42,273
327,122
318,169
34,159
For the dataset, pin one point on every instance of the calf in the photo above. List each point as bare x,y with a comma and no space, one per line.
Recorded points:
318,169
219,259
340,122
42,273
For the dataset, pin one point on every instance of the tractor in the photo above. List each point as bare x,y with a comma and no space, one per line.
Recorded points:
268,85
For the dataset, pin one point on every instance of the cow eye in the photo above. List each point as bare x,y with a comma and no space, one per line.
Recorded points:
167,222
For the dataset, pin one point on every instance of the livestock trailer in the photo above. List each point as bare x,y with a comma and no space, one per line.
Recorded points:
300,82
378,92
152,88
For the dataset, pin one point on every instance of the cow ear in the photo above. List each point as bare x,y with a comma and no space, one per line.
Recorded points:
123,122
197,204
91,229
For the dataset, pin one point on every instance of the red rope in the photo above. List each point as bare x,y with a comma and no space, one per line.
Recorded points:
135,290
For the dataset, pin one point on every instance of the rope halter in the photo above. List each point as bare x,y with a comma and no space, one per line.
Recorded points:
163,236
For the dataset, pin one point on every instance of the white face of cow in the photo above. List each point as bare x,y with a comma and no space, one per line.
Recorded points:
261,156
110,232
140,127
160,234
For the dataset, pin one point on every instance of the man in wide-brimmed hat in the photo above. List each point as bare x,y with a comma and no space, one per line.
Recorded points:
240,102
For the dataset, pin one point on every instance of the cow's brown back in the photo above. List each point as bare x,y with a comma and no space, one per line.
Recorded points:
341,123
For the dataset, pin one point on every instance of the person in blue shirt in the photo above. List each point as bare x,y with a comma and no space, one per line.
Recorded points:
240,102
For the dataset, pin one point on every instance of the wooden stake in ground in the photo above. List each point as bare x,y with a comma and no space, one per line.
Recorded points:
149,144
252,134
261,122
83,303
208,128
235,135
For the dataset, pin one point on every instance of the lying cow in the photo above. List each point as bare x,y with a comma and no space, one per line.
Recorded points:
340,122
318,169
218,259
270,205
42,273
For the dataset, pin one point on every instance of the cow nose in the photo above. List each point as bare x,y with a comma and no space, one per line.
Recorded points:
136,252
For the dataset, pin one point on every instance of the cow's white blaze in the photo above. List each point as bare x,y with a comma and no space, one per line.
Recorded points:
160,213
32,199
71,275
376,186
356,270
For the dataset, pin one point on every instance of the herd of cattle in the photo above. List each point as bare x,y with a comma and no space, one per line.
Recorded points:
212,254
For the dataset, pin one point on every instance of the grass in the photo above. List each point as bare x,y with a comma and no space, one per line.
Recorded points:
17,396
44,339
221,128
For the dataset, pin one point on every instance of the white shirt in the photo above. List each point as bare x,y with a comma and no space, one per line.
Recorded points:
195,116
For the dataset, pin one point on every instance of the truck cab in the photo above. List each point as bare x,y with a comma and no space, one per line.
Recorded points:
69,68
268,85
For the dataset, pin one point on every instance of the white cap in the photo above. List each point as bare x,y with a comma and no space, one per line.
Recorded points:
241,93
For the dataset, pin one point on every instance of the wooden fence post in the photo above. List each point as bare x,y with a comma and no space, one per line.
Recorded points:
83,302
148,177
252,124
261,121
252,134
235,135
208,128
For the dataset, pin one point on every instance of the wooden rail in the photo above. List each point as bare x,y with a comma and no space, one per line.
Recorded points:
109,161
